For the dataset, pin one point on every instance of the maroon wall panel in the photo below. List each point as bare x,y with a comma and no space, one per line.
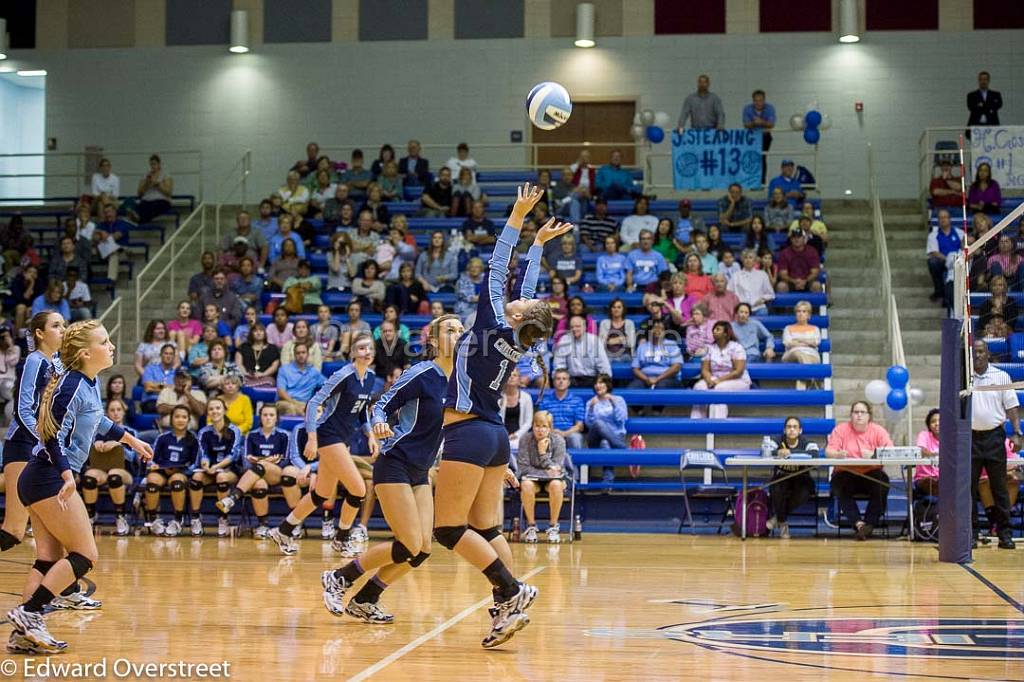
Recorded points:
998,14
779,16
908,15
691,16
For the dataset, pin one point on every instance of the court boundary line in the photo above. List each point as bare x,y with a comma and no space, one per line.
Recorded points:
366,673
995,588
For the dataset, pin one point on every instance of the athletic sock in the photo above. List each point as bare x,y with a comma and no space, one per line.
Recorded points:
292,519
286,527
71,589
7,540
371,591
502,579
350,571
342,534
262,521
327,514
119,509
39,599
151,515
180,516
236,493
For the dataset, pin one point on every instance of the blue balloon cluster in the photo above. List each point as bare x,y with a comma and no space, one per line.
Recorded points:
812,119
897,376
655,134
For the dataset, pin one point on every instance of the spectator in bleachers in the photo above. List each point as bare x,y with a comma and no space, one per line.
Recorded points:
246,284
789,182
723,368
67,257
858,439
697,282
751,333
211,374
105,236
407,293
293,195
393,314
703,108
341,267
204,278
221,297
778,214
802,339
999,305
615,182
728,265
760,115
686,223
477,228
985,195
390,350
617,332
249,318
720,302
105,186
708,260
83,246
280,330
558,299
154,191
945,189
541,460
256,245
1006,262
285,232
595,228
335,206
414,169
180,392
606,416
391,185
77,295
199,354
461,160
24,290
357,177
677,304
567,410
515,406
792,490
297,381
766,262
14,241
287,265
354,326
584,174
634,224
364,239
302,335
384,156
266,224
52,299
818,228
657,360
467,289
698,331
757,236
377,207
799,265
320,193
567,200
567,263
436,200
612,266
307,165
229,259
392,252
153,340
715,245
644,264
10,354
437,266
158,376
258,359
575,306
734,209
926,476
367,287
665,241
581,353
184,330
326,333
465,192
308,284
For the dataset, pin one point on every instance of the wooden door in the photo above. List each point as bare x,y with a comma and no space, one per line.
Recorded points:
593,122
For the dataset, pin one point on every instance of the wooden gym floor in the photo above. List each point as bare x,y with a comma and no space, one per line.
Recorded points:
613,607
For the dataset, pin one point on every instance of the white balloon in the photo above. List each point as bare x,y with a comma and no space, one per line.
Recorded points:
876,391
826,122
662,119
916,396
647,117
638,132
796,122
636,119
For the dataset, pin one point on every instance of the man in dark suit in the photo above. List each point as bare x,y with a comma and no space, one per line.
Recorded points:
414,169
984,104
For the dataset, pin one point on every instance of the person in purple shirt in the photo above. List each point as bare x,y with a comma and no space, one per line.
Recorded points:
985,195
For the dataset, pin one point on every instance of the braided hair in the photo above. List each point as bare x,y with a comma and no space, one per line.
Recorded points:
74,346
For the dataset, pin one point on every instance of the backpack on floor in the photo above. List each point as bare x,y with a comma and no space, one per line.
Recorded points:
926,519
757,514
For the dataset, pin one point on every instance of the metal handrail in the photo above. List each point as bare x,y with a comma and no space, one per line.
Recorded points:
114,310
893,329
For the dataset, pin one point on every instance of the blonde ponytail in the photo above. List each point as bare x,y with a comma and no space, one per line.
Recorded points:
74,345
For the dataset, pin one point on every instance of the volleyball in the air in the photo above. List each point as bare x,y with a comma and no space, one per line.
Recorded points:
548,105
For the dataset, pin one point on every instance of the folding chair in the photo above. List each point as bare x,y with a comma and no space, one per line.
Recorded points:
698,471
570,492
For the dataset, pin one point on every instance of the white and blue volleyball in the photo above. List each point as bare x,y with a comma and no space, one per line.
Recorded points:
548,105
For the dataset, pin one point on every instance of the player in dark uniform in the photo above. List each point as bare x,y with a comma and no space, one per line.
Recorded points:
174,458
220,460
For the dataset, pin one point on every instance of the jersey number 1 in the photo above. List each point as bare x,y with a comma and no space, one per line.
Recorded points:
496,384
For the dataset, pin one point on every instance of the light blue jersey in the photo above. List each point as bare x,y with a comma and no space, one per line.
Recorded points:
78,411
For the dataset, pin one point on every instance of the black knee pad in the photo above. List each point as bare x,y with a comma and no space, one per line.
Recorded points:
223,487
399,553
419,559
114,482
288,481
259,469
193,484
353,500
449,536
43,566
177,486
152,488
487,533
259,493
89,483
79,564
317,498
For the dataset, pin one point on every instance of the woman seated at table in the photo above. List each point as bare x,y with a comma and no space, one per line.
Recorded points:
789,493
724,368
926,476
541,460
858,439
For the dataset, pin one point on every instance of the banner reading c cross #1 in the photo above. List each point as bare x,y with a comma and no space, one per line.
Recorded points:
1002,148
714,159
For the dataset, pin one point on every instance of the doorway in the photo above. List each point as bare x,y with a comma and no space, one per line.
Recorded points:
592,122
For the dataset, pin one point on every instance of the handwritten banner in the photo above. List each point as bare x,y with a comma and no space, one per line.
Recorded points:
714,159
1002,148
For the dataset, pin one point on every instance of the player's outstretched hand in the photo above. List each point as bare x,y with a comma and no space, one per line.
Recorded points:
551,229
527,196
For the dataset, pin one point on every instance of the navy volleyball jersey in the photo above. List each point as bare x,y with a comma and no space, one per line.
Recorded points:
258,444
488,352
417,398
32,375
296,446
213,447
170,452
344,399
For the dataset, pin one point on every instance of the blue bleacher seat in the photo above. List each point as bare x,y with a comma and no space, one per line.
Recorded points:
684,396
735,426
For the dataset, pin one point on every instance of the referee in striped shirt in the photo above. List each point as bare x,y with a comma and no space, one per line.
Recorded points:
989,412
